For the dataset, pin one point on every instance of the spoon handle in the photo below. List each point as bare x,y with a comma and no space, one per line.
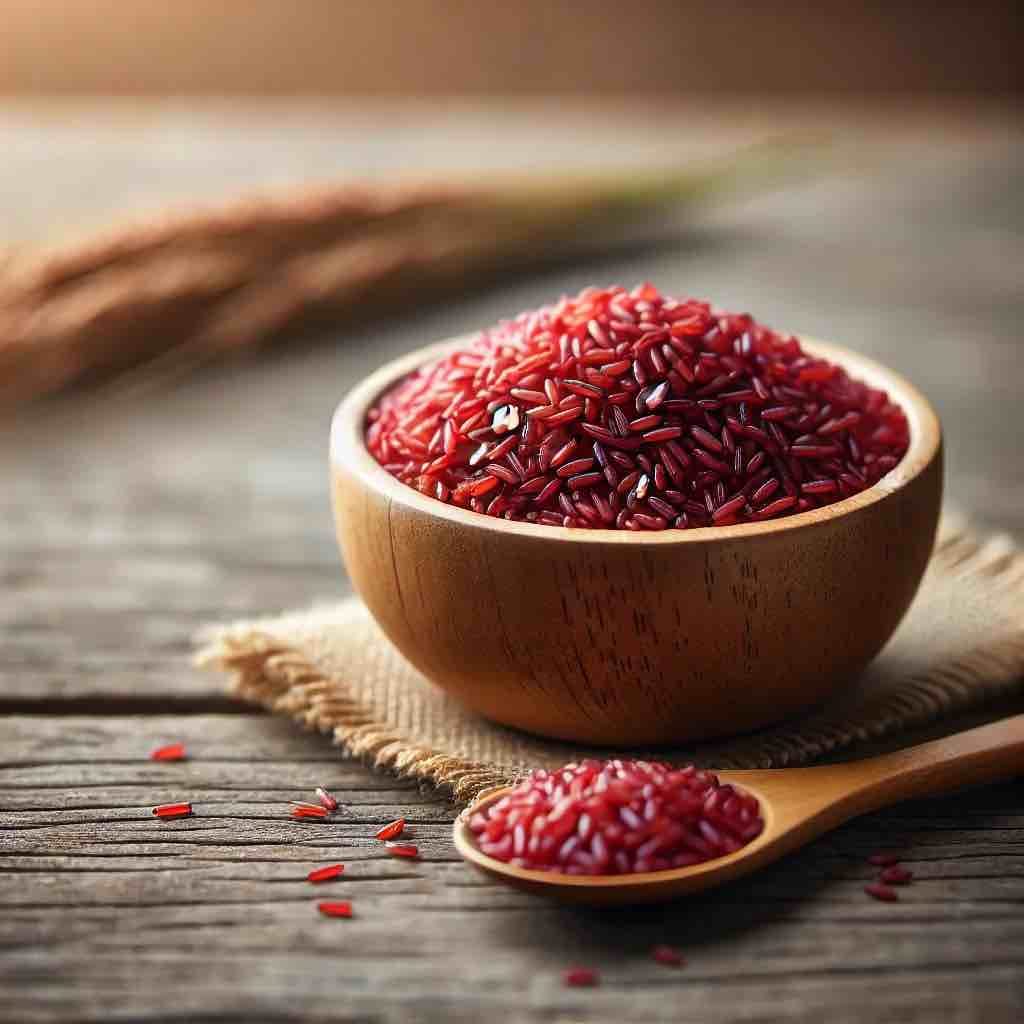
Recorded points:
990,753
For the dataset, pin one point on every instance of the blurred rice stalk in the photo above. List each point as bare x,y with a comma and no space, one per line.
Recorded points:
163,297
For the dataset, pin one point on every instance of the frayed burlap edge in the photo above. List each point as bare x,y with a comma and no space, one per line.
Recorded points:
277,676
280,678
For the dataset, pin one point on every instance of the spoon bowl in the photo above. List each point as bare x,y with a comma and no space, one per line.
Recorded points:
797,805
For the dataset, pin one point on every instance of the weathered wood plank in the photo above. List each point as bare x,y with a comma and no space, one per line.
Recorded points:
331,975
334,987
30,741
116,910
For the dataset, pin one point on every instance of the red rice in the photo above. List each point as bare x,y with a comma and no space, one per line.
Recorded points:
545,418
668,955
581,977
616,817
882,892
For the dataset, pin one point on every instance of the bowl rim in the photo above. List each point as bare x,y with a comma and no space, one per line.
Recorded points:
348,451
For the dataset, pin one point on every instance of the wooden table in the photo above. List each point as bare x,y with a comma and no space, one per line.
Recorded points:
126,526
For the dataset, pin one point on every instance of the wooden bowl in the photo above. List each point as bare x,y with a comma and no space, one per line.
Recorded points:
623,638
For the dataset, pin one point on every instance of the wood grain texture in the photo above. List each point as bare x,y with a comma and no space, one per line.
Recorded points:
127,525
107,912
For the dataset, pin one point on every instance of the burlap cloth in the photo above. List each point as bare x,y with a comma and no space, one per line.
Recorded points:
331,669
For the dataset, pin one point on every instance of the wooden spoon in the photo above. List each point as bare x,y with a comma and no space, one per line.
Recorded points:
798,805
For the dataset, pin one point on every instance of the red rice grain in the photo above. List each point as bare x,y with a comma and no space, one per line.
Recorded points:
668,955
544,419
882,892
402,850
325,874
326,799
616,817
308,811
182,810
392,830
172,752
340,908
581,977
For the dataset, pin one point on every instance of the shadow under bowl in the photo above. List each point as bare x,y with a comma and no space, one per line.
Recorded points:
627,638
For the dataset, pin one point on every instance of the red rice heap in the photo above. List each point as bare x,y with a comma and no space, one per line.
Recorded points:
632,410
616,818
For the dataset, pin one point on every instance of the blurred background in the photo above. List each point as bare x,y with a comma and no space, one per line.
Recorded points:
131,518
528,47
